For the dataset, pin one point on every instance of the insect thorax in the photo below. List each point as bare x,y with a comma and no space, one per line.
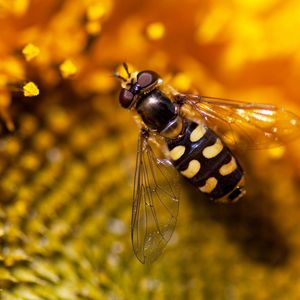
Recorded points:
160,114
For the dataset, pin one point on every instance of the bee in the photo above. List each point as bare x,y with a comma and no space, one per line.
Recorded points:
193,136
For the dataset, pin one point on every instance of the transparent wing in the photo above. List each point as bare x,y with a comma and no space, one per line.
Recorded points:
244,125
155,203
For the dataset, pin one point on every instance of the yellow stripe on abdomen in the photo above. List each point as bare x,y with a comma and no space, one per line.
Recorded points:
213,150
197,133
177,152
229,167
209,186
192,169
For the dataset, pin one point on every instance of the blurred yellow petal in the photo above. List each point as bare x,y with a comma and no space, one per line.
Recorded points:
213,24
30,161
5,99
155,31
93,27
17,7
99,81
255,5
182,82
96,11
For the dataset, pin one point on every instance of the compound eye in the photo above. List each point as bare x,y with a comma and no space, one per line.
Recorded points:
125,98
146,78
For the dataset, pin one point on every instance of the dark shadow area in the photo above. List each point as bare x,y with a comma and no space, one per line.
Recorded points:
248,223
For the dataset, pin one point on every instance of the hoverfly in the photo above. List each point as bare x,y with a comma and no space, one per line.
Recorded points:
194,135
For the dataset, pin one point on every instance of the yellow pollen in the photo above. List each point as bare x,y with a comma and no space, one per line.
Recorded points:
30,89
68,68
30,51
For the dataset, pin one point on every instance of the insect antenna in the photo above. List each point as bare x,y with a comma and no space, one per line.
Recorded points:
126,69
115,74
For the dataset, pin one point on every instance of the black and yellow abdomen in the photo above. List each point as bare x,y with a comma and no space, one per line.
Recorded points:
200,155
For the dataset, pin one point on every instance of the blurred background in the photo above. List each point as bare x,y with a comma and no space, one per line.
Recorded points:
67,150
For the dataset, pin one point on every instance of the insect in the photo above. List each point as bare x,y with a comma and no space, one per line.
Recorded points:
193,136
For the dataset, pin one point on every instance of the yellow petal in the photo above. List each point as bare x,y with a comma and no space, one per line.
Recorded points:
155,31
